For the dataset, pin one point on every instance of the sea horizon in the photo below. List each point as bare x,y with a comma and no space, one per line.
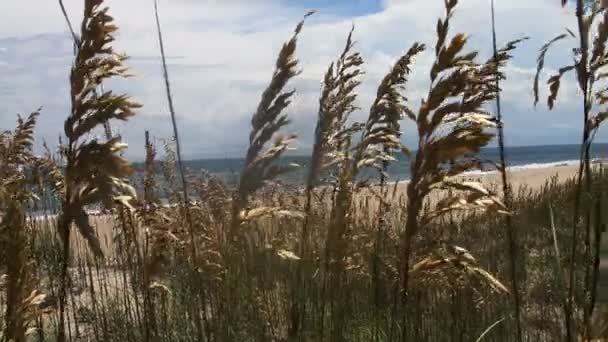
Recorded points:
535,156
304,153
519,158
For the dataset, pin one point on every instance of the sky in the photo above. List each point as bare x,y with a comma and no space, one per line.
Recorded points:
221,55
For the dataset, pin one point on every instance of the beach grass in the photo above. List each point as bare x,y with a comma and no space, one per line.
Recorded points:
447,255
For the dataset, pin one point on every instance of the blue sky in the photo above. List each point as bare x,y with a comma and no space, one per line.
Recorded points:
339,7
221,56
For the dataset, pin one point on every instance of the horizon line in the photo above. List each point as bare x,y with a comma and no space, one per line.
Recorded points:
305,154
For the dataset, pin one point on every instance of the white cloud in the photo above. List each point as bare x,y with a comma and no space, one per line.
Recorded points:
222,55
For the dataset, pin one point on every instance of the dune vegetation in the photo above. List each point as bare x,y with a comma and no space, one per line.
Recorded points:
439,257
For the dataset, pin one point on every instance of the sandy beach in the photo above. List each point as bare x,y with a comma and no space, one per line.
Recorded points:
533,178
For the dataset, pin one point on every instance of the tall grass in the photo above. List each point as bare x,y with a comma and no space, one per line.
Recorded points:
22,295
506,187
589,61
94,172
342,259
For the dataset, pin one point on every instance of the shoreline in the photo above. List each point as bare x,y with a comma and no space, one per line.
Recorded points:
532,175
530,178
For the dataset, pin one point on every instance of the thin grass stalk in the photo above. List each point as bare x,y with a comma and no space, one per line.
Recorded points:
15,223
584,165
377,253
91,287
149,309
599,227
106,125
336,103
65,233
378,249
561,278
69,23
64,230
69,324
107,129
201,296
131,241
298,310
102,276
74,315
178,151
180,165
507,192
589,61
411,224
489,329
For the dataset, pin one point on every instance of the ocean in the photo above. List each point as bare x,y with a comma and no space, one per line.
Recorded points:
525,157
517,157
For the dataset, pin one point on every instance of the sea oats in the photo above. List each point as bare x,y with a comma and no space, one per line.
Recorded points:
94,172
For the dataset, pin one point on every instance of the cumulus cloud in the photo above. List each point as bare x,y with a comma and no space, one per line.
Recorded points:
222,53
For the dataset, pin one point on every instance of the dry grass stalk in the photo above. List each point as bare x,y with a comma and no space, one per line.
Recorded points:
261,164
215,195
590,59
15,196
380,137
165,238
452,127
150,197
147,212
506,186
336,103
76,39
333,135
178,153
94,172
382,131
454,258
169,169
